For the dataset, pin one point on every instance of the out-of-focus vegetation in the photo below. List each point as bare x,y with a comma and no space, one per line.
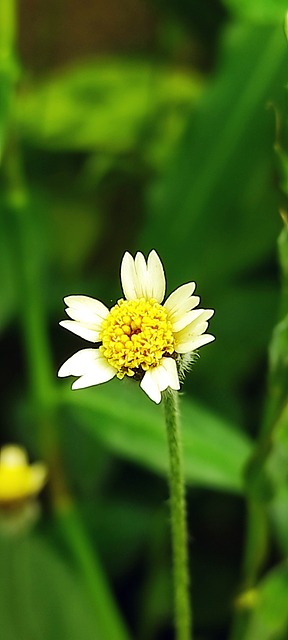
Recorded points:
130,127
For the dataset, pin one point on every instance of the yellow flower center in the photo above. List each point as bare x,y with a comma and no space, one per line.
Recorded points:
135,336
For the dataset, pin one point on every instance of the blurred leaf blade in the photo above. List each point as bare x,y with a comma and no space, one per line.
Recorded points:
278,346
216,195
133,427
50,600
8,67
269,619
258,11
210,160
108,620
7,275
107,104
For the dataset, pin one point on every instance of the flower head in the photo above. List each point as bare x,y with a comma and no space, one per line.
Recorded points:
139,337
19,480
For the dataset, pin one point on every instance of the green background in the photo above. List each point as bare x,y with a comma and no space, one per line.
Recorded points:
131,127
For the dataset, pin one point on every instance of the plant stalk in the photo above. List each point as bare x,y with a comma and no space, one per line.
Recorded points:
178,519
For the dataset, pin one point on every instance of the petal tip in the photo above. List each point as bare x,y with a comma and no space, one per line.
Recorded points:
154,253
75,386
61,372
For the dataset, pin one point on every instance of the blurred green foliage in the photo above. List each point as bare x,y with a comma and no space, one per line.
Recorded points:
106,106
169,149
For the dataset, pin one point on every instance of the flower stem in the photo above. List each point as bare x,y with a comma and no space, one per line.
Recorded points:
178,519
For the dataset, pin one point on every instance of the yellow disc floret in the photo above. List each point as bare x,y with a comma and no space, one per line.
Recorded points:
135,336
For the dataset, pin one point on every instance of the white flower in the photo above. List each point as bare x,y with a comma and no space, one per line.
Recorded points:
139,337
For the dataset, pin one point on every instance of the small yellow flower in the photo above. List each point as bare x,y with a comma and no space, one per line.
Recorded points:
19,481
139,337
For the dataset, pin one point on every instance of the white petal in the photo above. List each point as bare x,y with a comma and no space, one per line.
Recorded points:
80,363
95,306
171,368
84,318
90,365
187,305
100,375
142,276
194,343
190,337
180,296
81,329
207,314
141,280
159,378
149,384
185,319
195,326
161,374
157,283
87,311
129,278
201,328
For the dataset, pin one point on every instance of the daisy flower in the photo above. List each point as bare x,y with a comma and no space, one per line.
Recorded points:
140,337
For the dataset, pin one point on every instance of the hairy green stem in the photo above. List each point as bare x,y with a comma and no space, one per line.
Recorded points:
178,519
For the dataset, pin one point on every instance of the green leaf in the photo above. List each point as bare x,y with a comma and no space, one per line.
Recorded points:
40,596
108,618
107,104
260,11
8,67
7,274
279,515
270,617
133,427
5,94
218,180
278,373
213,212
